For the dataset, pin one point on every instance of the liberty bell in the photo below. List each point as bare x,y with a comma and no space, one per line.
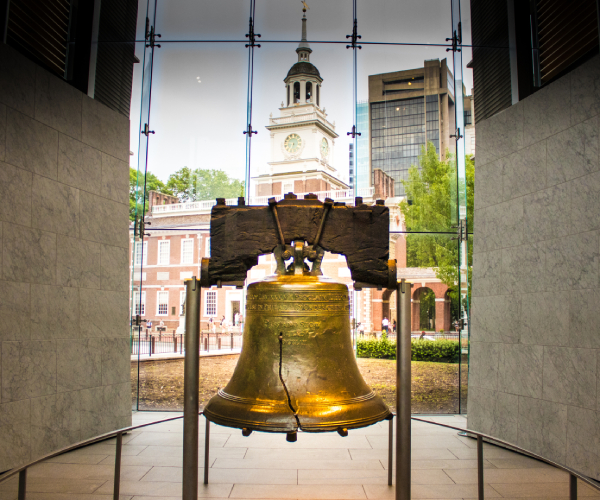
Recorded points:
297,369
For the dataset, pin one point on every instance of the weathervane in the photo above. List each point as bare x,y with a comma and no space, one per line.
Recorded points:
304,6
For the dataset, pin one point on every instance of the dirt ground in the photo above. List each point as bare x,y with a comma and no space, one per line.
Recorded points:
434,385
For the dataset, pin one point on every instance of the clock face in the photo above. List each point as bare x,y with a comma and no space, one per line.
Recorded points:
292,143
324,147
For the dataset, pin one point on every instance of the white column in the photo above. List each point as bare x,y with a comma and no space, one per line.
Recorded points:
303,91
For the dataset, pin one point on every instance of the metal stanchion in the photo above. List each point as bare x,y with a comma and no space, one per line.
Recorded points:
403,355
117,478
22,484
391,450
479,467
572,487
206,450
191,389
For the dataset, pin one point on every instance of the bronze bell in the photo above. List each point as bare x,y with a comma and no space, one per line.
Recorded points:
297,369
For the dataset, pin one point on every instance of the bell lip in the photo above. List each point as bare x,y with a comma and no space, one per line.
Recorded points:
278,278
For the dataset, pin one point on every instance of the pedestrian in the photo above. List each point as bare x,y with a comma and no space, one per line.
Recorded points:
241,322
394,326
385,324
236,319
361,329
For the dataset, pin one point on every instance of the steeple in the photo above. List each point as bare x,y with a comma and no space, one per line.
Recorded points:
303,49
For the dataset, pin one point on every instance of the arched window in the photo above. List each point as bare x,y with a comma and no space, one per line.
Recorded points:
318,88
288,95
308,91
296,92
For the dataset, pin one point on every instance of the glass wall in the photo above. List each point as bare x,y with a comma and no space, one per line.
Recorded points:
258,98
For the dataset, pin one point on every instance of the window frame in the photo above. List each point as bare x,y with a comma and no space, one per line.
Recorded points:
136,302
144,253
206,303
159,261
183,242
158,302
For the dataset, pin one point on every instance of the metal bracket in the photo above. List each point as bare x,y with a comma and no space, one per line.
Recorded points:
456,39
151,37
249,130
251,36
457,136
138,320
461,231
139,227
353,133
355,37
146,131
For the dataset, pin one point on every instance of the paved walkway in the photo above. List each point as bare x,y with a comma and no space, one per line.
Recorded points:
317,466
172,355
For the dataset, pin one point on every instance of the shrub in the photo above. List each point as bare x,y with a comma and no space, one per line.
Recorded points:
441,351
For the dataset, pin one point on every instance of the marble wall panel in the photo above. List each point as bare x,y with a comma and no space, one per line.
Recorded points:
2,131
542,428
56,206
499,226
15,194
572,262
524,171
546,213
573,152
584,318
54,312
31,145
545,318
585,90
488,184
78,364
547,112
17,80
521,373
104,409
116,360
484,366
15,444
500,135
494,413
28,369
585,203
524,268
115,179
55,422
570,376
115,269
29,255
57,104
487,266
78,263
14,311
79,165
103,221
583,440
103,313
496,318
105,130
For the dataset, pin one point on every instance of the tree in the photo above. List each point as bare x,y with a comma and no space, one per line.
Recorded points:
201,184
137,192
430,207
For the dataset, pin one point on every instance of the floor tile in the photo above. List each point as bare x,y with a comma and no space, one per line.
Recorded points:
165,489
470,453
416,454
519,462
266,463
77,458
61,485
469,476
444,464
227,476
177,451
365,477
446,492
299,491
175,439
83,471
533,490
305,440
296,454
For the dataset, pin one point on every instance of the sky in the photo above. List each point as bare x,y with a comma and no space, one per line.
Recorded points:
200,75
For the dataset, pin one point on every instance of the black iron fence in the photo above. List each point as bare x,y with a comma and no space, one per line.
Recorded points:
149,344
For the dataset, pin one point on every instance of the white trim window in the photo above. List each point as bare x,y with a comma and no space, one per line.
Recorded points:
210,303
139,307
187,251
141,253
164,252
207,247
181,301
162,303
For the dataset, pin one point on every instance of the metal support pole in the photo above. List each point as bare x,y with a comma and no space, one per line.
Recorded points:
403,355
22,484
479,467
572,487
191,388
117,480
391,450
206,450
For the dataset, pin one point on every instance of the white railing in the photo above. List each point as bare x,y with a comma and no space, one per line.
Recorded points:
298,118
206,205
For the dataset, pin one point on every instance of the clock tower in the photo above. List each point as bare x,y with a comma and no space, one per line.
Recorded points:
302,138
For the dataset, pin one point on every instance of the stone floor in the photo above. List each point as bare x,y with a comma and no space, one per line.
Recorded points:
265,466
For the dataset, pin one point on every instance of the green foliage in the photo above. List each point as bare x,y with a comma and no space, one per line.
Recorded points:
200,184
137,193
432,190
441,351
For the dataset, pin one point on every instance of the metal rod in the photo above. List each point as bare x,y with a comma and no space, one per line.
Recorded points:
403,355
391,450
206,450
279,231
191,374
322,224
117,480
479,467
572,487
22,484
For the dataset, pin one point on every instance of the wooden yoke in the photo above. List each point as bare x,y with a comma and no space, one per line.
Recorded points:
240,234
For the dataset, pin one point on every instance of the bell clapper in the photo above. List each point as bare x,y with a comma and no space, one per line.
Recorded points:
291,437
246,432
342,431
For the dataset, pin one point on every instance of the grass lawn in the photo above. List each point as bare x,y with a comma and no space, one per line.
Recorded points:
434,385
